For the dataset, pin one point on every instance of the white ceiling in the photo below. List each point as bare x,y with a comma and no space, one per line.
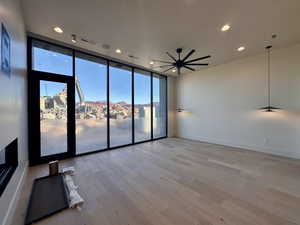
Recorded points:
149,28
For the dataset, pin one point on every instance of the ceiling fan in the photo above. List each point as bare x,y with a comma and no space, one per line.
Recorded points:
182,62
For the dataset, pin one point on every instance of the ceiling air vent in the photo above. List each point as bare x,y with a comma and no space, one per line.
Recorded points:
106,46
133,57
88,41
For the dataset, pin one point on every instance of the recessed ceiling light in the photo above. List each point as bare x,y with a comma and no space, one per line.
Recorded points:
58,30
151,63
173,70
242,48
226,27
118,51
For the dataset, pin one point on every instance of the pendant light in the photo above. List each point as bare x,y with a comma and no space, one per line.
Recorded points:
269,108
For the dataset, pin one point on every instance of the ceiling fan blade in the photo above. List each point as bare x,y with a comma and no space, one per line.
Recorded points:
178,71
163,66
168,69
171,56
188,55
196,64
162,61
189,68
193,60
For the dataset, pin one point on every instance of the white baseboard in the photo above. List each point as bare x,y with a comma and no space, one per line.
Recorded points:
263,149
13,203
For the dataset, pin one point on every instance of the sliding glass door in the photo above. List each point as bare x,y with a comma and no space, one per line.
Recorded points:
120,104
90,103
142,105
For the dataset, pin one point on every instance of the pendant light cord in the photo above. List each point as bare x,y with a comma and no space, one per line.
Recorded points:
269,79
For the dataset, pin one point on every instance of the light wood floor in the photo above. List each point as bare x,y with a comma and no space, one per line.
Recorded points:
180,182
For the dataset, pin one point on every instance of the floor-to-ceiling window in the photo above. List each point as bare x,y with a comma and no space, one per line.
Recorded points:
159,106
142,105
91,103
120,104
81,103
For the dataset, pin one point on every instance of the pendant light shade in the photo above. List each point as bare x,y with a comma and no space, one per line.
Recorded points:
269,108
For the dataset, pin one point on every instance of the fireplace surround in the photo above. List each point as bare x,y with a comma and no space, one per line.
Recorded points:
8,163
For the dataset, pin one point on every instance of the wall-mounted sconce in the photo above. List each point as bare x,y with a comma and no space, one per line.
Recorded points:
179,109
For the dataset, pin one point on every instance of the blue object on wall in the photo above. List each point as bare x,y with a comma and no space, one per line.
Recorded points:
5,51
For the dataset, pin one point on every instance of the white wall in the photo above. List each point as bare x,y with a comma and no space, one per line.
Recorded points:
13,103
222,104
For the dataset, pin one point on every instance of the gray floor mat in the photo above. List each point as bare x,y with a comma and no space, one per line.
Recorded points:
48,196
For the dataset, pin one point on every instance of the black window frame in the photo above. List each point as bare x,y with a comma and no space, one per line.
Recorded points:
33,120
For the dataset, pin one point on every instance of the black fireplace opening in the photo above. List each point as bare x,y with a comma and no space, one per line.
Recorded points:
8,163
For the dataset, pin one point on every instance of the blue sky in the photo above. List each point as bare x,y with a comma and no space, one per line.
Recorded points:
92,79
